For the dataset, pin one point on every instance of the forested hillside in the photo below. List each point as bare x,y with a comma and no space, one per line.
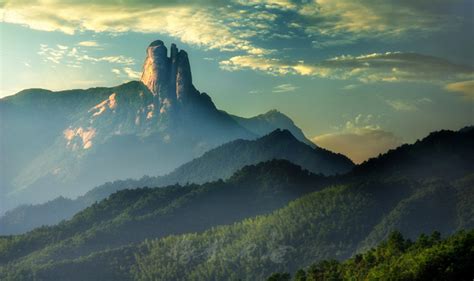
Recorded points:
427,258
244,228
218,163
133,215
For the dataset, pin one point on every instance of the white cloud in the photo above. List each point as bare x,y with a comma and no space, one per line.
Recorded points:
88,44
284,88
116,71
270,66
132,74
73,57
271,4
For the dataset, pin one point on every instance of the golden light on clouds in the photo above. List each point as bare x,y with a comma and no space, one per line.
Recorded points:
386,67
359,145
359,139
465,88
191,24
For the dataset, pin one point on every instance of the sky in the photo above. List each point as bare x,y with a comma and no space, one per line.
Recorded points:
359,77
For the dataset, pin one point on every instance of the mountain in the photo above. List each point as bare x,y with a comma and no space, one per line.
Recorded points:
64,143
223,161
447,153
130,216
219,163
341,217
265,123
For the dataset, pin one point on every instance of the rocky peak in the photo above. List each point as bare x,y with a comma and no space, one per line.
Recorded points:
168,78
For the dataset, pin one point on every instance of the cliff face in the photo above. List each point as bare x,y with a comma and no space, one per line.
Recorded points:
168,78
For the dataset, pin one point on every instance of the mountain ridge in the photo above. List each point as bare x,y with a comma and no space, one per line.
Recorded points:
86,137
218,163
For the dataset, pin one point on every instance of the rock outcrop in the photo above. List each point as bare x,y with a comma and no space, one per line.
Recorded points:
168,78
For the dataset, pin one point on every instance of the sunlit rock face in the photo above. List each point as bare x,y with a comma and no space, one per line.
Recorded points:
168,78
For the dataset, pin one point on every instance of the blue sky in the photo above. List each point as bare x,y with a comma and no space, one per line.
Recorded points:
358,77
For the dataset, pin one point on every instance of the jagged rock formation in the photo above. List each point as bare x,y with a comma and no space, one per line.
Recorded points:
86,137
168,78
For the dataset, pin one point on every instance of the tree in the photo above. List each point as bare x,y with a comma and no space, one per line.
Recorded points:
279,277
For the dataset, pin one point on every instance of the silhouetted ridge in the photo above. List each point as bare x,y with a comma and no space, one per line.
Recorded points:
444,153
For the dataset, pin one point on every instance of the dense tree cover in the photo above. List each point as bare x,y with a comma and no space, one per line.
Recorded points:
333,223
219,163
446,154
441,154
329,224
134,215
428,258
210,231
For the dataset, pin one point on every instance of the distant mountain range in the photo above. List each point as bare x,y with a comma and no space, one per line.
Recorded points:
219,163
127,236
64,143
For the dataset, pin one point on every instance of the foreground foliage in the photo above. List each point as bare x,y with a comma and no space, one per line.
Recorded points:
428,258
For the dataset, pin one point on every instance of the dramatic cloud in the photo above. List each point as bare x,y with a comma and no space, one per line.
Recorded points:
396,66
359,140
236,25
465,88
213,27
271,66
389,17
377,67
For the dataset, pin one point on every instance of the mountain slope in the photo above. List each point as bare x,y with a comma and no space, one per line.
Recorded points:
445,153
335,222
265,123
218,163
134,215
83,138
224,160
428,258
322,225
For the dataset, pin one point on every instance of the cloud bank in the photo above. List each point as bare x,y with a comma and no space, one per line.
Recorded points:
376,67
359,140
465,88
